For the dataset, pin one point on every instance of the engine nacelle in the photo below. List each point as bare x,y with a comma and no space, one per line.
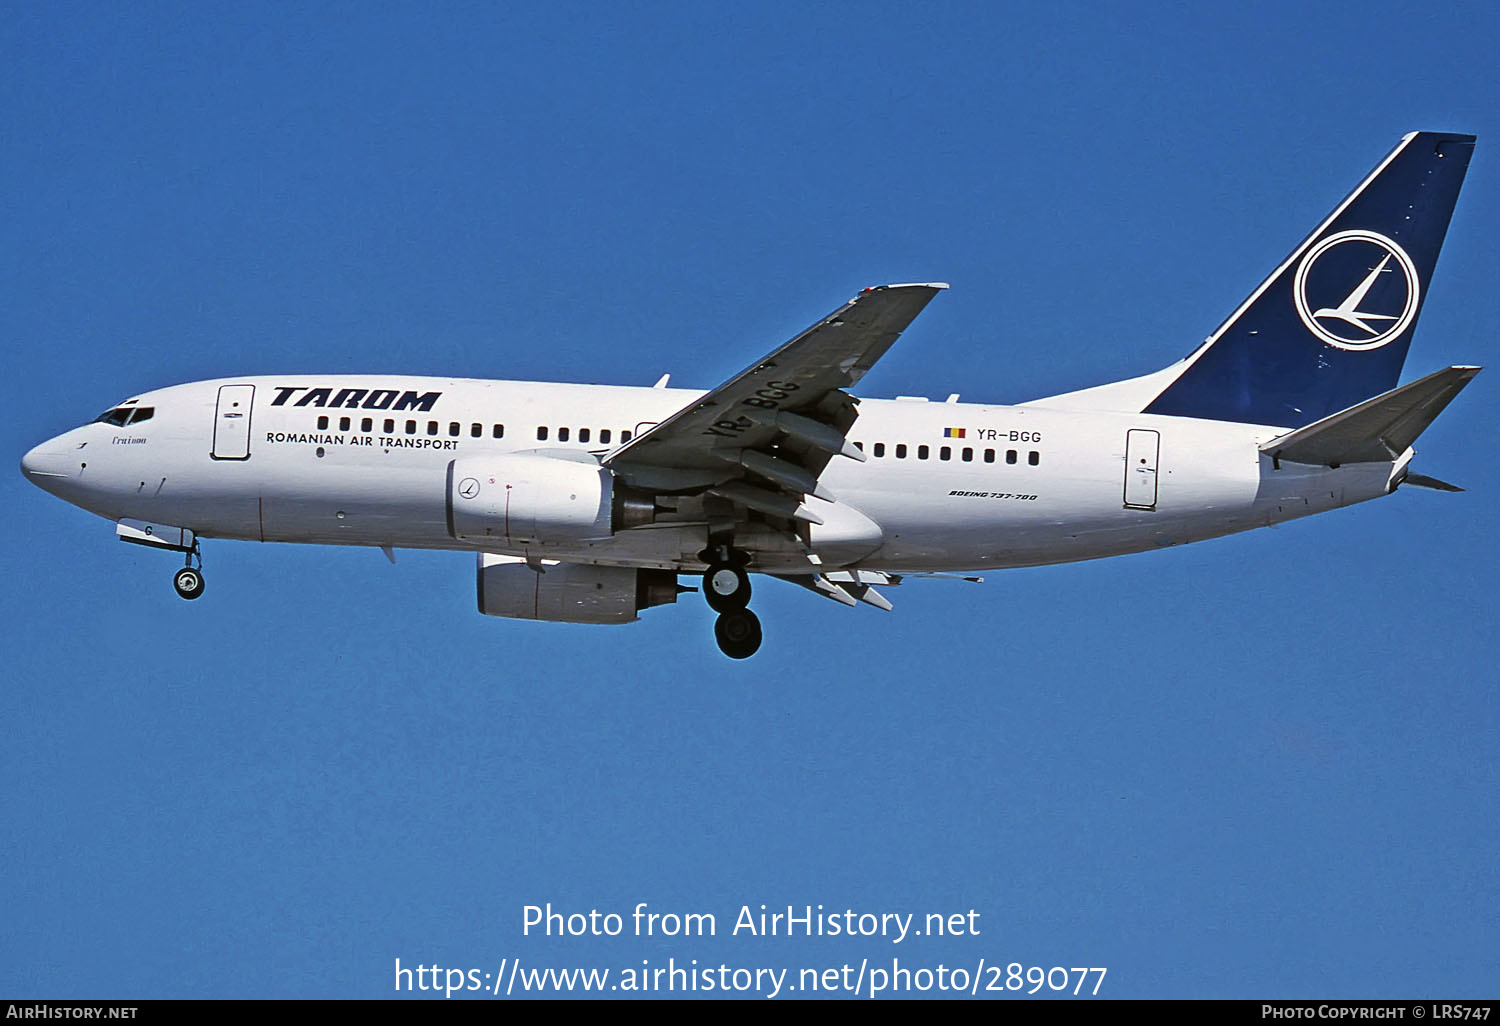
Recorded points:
525,498
569,592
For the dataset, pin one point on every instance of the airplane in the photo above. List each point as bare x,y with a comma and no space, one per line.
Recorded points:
588,503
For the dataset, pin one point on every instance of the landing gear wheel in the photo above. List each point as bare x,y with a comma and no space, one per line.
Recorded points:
188,582
726,587
738,633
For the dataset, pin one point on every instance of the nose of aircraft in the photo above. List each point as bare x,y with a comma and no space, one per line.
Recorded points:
45,464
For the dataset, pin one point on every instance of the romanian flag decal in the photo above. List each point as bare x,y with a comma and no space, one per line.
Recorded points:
953,432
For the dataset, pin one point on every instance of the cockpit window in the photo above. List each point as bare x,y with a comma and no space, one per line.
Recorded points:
122,415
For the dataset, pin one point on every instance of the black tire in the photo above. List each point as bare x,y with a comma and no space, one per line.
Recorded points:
188,582
738,633
720,600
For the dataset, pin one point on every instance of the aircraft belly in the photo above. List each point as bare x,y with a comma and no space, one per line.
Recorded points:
352,505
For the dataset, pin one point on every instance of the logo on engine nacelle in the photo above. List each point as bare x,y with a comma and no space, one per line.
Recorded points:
468,488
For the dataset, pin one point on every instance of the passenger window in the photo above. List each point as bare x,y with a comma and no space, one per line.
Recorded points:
453,428
366,424
860,446
322,423
921,452
562,434
390,426
968,455
624,436
604,436
1035,458
411,427
541,434
879,450
432,427
1010,455
476,430
901,451
583,434
945,453
499,431
989,455
343,423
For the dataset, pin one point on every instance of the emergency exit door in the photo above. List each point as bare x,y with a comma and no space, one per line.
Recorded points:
232,422
1141,450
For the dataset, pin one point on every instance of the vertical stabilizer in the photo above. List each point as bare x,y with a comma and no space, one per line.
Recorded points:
1331,326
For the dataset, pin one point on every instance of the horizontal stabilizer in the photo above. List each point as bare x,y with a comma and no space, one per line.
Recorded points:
1423,481
1377,430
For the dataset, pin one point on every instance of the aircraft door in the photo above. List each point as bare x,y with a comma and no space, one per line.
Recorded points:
1142,448
232,422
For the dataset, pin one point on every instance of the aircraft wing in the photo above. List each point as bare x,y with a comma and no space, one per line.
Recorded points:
783,417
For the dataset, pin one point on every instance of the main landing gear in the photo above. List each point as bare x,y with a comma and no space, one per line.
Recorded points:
726,586
738,633
189,580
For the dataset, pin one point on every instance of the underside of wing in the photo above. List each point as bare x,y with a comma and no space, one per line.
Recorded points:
774,426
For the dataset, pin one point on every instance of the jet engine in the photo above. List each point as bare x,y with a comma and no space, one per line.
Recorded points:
528,498
522,497
569,592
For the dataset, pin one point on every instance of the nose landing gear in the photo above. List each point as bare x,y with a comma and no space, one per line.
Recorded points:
189,580
726,586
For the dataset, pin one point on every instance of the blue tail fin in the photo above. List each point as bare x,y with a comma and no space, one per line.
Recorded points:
1330,327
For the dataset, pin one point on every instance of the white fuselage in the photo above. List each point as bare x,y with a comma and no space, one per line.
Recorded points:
948,486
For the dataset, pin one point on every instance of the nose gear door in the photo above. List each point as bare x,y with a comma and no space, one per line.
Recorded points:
232,422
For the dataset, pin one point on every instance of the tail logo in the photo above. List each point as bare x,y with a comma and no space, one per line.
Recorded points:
1360,262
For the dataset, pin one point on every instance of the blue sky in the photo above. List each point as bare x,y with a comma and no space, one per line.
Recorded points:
1259,766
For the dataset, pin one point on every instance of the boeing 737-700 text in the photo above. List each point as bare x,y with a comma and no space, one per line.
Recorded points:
586,503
